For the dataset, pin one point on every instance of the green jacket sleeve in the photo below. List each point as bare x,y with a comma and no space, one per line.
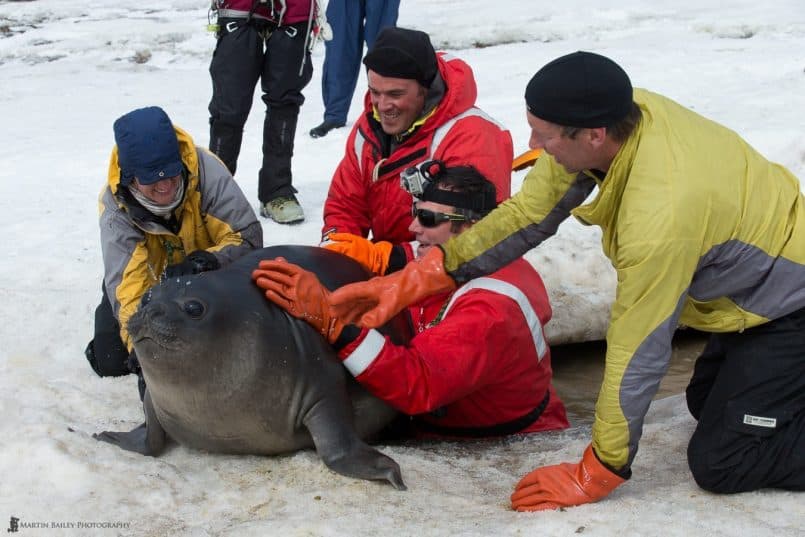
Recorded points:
520,223
653,277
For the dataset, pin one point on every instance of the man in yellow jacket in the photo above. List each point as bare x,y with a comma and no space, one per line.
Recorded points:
169,208
702,230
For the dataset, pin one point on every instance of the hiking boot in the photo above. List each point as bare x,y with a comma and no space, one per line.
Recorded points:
324,128
283,210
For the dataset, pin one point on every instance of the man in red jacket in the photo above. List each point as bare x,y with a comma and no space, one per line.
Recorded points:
268,41
479,364
420,105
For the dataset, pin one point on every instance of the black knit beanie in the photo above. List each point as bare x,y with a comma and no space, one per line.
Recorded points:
403,53
581,89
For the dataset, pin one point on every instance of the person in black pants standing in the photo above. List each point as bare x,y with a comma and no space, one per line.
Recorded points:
269,41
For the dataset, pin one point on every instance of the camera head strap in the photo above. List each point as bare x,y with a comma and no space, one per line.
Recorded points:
422,182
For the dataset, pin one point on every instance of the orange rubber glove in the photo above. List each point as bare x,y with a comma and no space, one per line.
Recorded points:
565,485
373,256
372,303
300,293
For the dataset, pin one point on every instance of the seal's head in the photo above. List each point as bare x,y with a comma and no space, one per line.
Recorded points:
186,327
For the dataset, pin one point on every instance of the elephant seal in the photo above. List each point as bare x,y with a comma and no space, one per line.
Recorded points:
227,371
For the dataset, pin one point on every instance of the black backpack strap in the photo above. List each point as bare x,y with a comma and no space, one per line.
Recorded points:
387,166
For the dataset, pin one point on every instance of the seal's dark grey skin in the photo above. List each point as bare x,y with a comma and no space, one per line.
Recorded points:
227,371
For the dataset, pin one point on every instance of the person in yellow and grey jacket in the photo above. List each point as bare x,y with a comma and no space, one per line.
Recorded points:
702,230
169,208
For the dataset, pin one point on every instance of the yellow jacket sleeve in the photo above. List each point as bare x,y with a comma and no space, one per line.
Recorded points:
522,222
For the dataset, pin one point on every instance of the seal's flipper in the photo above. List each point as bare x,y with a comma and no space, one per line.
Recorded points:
343,451
147,439
365,462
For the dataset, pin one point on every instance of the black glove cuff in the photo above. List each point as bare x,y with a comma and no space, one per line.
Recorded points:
194,263
623,473
349,334
397,259
202,261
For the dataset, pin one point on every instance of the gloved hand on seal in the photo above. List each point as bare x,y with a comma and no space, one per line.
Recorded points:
372,303
195,263
300,293
373,256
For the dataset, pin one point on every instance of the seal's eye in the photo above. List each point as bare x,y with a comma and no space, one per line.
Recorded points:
194,308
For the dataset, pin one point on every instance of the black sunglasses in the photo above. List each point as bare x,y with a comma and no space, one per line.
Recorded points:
432,218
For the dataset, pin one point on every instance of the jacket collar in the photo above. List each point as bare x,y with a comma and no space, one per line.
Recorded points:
601,210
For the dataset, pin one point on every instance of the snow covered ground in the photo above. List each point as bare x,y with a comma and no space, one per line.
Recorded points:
68,69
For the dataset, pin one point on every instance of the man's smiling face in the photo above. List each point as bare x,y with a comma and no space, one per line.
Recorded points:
398,101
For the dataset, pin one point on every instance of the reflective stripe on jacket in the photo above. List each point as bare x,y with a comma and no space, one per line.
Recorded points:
702,230
214,216
485,363
365,193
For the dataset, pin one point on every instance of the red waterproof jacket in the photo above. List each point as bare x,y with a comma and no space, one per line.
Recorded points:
292,12
365,193
484,369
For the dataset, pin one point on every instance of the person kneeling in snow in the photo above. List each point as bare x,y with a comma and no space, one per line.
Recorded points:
702,230
169,209
479,364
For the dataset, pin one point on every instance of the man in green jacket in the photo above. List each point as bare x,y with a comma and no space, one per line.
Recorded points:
702,230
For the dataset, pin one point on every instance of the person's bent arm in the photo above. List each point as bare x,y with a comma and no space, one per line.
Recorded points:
128,272
509,231
441,364
346,209
653,273
521,223
228,217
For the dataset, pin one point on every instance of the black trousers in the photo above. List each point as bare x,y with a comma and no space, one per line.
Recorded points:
748,393
244,54
106,353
